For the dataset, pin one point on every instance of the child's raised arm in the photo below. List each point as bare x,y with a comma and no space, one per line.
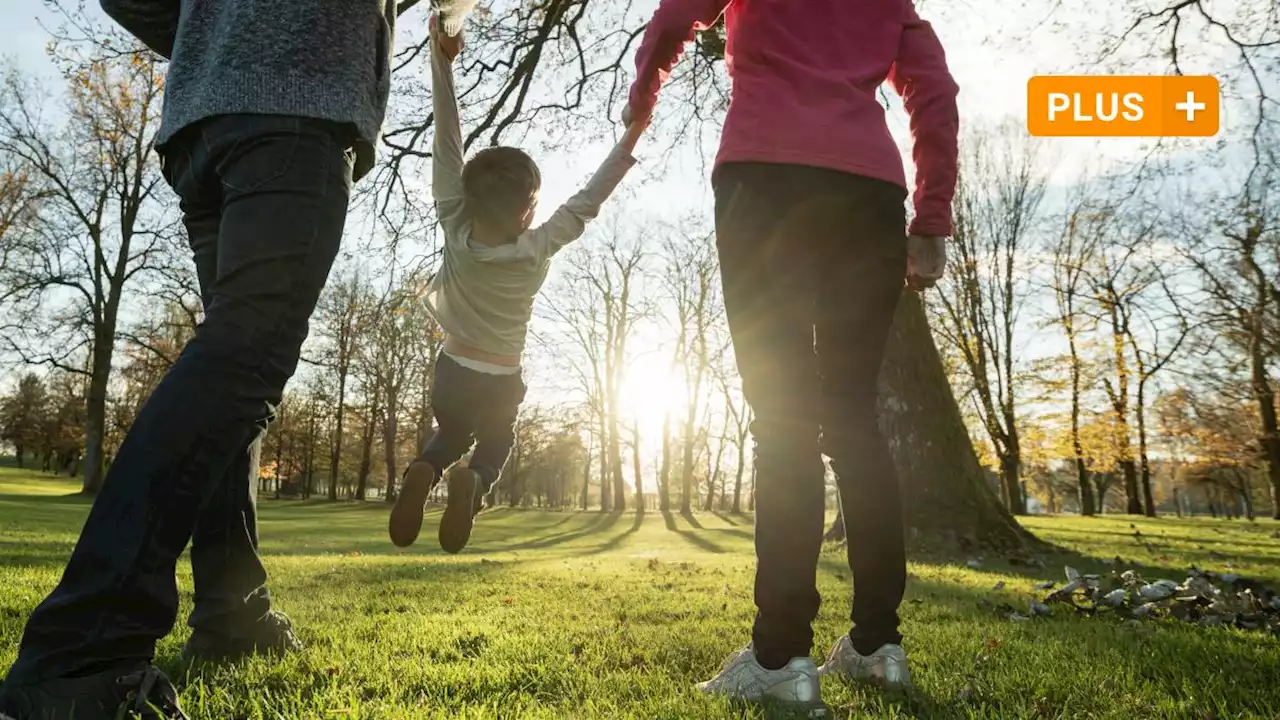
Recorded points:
569,220
446,158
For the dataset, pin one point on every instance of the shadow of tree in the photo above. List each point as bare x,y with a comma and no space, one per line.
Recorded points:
600,523
729,518
691,536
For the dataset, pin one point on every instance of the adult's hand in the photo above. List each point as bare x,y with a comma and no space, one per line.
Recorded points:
926,261
451,44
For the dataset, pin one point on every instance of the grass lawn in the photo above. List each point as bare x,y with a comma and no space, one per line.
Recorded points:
583,615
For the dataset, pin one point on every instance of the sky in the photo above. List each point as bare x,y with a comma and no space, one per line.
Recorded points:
994,47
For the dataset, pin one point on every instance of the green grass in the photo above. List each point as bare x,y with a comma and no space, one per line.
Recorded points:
572,615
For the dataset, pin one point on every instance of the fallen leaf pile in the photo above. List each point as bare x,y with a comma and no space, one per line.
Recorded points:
1206,598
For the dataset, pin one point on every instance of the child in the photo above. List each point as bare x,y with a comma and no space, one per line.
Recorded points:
494,265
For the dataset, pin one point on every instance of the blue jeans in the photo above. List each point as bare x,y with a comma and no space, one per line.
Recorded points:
264,199
472,407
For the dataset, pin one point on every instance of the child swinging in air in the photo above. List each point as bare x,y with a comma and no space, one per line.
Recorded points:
482,297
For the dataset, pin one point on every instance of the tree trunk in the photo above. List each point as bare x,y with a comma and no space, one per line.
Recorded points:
1144,462
606,485
664,473
737,483
836,533
1266,399
586,479
95,425
715,471
1132,498
614,474
366,454
309,470
639,479
512,471
1087,506
336,457
686,465
1246,495
743,429
21,451
945,492
1010,478
390,433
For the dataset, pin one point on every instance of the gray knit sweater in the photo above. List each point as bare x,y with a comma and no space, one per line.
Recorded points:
327,59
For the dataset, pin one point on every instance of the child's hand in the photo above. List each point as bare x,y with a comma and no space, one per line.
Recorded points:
450,44
635,128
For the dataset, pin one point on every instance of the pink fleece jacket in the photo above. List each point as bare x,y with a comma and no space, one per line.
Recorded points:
805,75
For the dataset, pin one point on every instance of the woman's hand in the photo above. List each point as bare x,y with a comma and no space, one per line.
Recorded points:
926,261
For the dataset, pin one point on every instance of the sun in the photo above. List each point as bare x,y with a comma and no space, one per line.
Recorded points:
650,389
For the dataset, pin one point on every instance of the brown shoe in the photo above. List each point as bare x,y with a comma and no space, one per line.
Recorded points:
406,515
460,512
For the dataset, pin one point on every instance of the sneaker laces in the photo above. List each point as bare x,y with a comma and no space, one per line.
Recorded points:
279,621
147,682
281,628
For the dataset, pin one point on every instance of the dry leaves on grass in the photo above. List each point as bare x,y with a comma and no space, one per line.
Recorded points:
1206,598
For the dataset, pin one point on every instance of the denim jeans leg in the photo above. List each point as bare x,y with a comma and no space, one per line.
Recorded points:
282,184
230,581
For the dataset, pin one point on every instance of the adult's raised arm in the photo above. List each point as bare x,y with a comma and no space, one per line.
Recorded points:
672,25
920,75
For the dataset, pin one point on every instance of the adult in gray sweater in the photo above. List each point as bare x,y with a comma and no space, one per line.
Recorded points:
272,110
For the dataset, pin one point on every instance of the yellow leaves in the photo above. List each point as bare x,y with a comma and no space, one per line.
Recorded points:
1104,439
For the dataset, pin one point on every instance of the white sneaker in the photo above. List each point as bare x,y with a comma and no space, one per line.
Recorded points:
744,678
886,666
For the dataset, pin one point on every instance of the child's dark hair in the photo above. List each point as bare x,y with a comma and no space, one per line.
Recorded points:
500,185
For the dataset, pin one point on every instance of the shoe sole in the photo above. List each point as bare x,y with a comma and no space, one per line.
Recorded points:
459,517
875,680
406,514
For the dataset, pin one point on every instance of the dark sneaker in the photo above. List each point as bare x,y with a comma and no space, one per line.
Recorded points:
272,635
466,494
137,691
406,514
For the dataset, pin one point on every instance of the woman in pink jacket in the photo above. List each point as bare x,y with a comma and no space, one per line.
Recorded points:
814,247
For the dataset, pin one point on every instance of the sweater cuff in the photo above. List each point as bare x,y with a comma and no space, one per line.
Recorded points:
930,227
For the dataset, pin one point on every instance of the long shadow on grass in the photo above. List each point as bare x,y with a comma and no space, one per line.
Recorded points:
600,523
34,553
729,517
689,518
694,538
73,498
617,540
